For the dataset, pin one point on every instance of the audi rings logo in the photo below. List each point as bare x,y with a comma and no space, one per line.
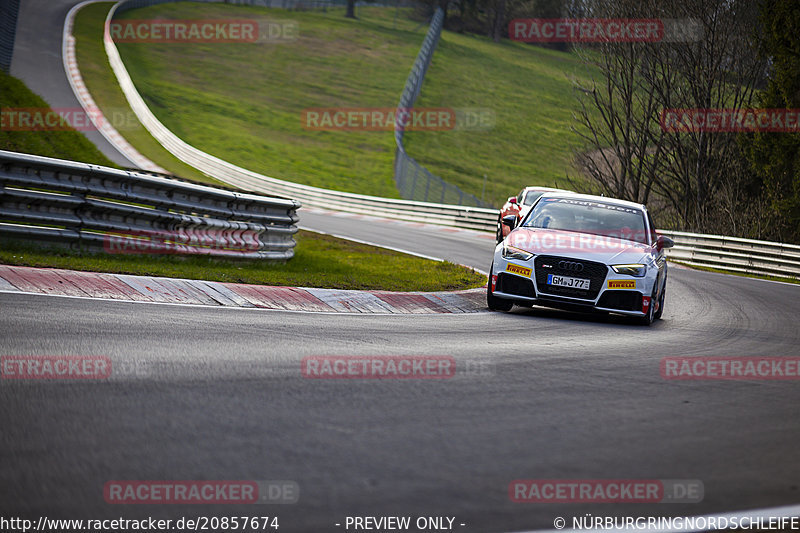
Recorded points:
571,266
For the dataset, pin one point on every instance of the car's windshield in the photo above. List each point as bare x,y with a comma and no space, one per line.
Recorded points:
585,216
531,196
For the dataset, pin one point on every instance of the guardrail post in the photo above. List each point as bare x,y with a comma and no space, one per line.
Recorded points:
408,98
413,182
427,186
78,212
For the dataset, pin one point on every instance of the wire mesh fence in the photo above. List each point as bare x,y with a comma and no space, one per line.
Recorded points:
9,10
414,181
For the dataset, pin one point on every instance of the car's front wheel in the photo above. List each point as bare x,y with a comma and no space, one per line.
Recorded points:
648,319
493,302
660,311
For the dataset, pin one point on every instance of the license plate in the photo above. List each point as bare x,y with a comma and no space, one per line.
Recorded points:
564,281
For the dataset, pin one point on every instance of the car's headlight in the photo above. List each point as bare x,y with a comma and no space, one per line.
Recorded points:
636,270
509,252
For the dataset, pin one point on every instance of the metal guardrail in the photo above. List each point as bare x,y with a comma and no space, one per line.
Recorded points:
414,181
128,212
88,205
432,213
734,254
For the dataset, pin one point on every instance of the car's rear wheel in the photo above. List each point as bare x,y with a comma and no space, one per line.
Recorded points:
493,302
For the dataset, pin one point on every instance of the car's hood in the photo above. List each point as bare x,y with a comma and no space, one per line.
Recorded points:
605,249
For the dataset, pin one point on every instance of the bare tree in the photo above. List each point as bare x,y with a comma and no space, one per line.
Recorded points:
628,154
616,114
500,21
719,70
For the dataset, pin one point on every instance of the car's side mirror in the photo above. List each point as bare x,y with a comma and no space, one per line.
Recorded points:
512,200
510,221
664,242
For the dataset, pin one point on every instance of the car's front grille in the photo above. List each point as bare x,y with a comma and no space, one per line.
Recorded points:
511,284
622,300
591,270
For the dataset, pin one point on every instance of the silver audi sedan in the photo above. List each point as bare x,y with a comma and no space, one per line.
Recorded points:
585,253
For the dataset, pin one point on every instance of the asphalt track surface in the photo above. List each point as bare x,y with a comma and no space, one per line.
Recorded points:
217,394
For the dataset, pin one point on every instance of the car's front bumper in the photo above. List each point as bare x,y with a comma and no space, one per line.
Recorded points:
521,283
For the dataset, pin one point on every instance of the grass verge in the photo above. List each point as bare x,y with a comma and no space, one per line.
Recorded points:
243,102
66,144
320,261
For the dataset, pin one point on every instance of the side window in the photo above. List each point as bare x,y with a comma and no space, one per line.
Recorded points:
520,196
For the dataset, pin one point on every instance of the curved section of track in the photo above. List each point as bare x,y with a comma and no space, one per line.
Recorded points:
219,395
38,62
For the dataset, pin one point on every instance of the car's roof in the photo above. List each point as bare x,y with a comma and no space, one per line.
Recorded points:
594,198
545,189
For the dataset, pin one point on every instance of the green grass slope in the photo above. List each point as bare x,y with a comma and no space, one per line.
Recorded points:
70,144
102,85
243,101
528,91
